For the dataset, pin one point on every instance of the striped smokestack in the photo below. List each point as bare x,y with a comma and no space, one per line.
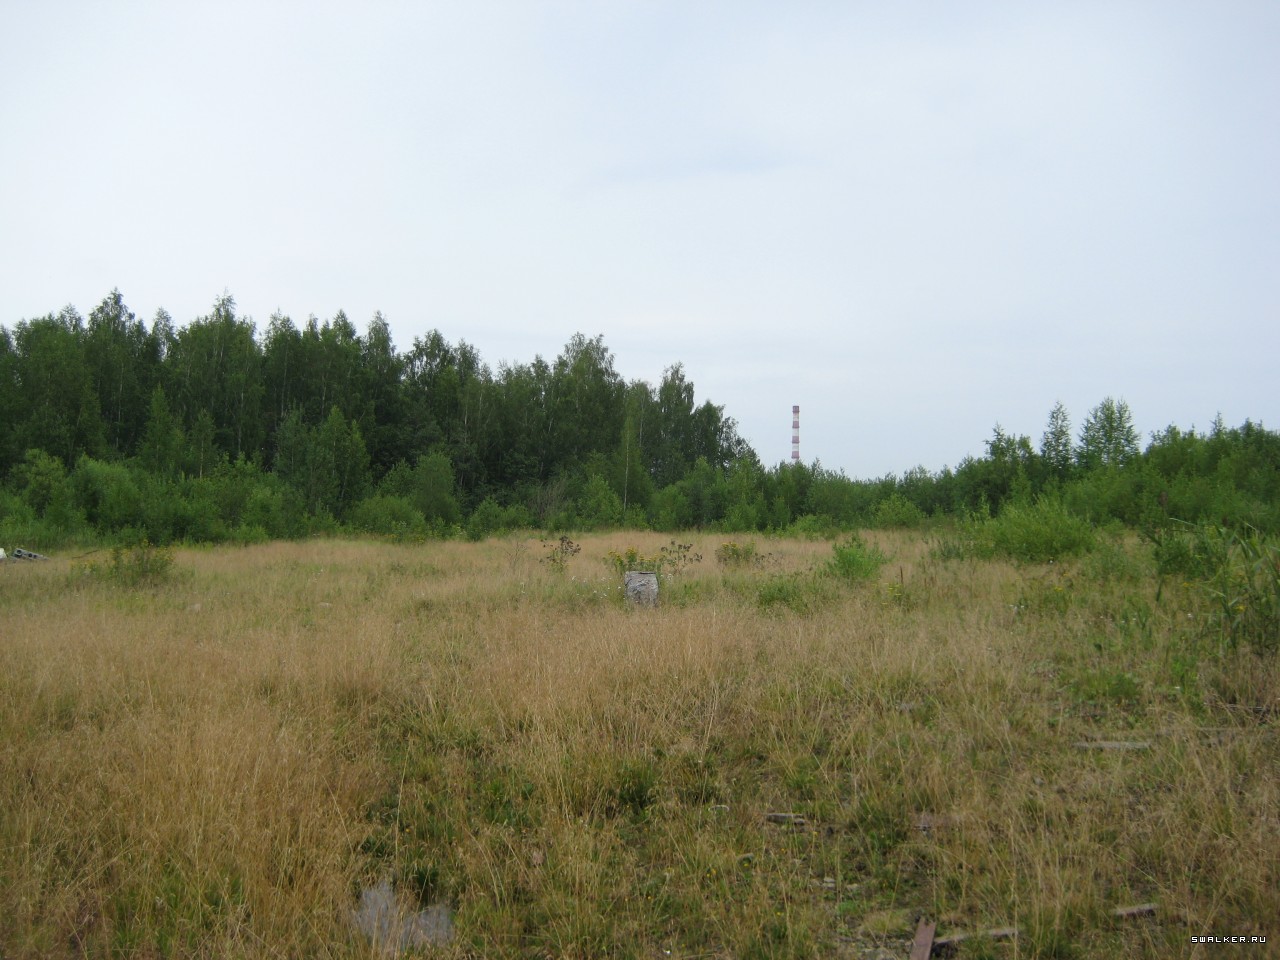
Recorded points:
795,434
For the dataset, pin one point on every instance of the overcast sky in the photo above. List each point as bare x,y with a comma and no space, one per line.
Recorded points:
912,219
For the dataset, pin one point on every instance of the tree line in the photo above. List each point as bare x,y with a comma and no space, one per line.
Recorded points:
112,427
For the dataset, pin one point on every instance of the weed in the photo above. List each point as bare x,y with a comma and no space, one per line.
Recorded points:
670,560
560,553
1237,575
734,554
1244,587
141,565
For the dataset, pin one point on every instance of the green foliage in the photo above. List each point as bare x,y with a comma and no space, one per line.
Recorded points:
1055,443
491,518
394,517
1240,578
1030,533
107,494
855,560
1184,549
40,479
429,485
1108,438
813,527
337,416
896,511
670,510
599,507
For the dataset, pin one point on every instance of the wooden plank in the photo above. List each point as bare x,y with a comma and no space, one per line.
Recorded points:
922,947
1113,745
1007,933
787,819
1137,910
997,933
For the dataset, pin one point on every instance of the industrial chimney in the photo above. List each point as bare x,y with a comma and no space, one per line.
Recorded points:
795,434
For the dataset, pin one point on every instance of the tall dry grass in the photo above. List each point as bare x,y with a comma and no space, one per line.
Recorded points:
217,765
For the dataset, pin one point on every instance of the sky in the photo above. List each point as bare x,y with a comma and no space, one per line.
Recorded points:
914,220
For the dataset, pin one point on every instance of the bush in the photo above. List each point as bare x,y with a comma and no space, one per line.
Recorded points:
389,516
107,494
1030,533
1240,578
798,592
813,527
140,565
734,554
491,518
853,559
896,511
599,507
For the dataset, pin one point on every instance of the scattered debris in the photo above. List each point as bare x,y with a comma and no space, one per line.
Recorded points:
928,823
1011,933
1113,745
787,819
1137,910
393,930
20,554
997,933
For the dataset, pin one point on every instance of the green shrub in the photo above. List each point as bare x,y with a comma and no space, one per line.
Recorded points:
389,516
813,527
599,506
491,518
1195,551
735,554
1030,533
1242,586
798,592
853,559
896,511
139,565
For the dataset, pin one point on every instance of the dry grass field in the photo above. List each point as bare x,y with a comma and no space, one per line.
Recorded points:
216,764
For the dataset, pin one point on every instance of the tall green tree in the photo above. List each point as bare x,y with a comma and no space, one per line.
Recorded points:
1055,443
587,403
1108,437
54,386
215,367
162,439
124,366
382,412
